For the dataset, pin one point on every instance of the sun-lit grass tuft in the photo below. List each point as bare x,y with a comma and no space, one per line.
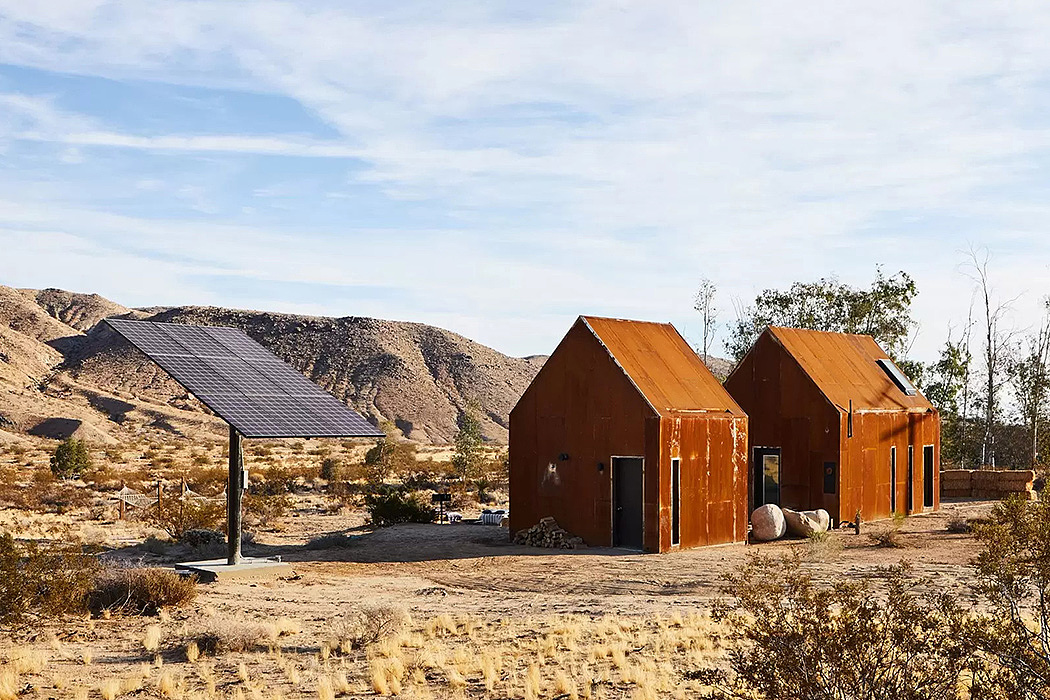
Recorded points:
325,691
151,638
10,684
110,689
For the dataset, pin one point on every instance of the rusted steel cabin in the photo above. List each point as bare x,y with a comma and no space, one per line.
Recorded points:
834,424
627,439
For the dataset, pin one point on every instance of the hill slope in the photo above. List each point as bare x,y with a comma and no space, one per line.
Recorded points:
60,372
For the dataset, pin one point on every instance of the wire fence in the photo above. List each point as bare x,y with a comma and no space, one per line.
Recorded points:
130,498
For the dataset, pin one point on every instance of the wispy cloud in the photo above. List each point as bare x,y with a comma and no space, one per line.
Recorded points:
522,163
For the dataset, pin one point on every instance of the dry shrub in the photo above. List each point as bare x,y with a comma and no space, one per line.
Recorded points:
890,538
176,516
959,525
823,546
368,625
797,639
141,591
217,636
52,579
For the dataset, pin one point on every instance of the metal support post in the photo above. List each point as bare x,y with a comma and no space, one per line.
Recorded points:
234,491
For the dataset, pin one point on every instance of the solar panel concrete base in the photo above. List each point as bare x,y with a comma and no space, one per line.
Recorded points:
212,570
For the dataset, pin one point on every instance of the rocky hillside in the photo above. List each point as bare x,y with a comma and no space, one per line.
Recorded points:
61,372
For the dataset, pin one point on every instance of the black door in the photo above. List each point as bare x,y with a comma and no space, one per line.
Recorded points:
927,476
627,502
766,471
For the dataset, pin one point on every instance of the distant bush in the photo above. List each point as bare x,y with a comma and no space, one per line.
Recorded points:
218,635
140,591
71,459
332,469
366,626
389,506
265,509
388,456
176,516
43,580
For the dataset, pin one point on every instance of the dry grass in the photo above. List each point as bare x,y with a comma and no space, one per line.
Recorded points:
576,657
141,591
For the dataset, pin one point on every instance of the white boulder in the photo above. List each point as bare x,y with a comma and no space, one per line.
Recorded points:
768,523
803,523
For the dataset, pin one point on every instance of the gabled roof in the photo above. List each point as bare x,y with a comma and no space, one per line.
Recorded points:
845,367
662,366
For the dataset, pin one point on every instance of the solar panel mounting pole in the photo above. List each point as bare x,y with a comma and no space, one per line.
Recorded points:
234,491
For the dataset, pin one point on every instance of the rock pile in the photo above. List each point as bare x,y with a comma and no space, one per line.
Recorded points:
547,533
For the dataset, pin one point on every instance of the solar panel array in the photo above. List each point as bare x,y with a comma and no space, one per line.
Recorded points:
242,382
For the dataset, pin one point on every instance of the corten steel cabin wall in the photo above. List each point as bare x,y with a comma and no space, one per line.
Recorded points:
867,459
628,388
583,405
787,410
712,448
790,409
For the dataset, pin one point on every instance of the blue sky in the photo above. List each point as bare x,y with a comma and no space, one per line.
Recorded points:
499,168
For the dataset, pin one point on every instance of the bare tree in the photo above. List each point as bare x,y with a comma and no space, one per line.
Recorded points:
704,303
998,339
1030,376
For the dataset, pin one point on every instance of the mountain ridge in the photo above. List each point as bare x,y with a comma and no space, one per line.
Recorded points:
420,377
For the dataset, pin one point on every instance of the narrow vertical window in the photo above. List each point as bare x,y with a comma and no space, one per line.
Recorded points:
893,480
676,500
911,479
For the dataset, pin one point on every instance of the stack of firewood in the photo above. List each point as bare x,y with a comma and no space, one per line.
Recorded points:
547,533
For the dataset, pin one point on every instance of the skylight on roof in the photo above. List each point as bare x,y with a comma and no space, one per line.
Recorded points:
898,377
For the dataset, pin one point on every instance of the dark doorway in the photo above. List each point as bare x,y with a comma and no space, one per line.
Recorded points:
627,502
767,476
927,476
911,479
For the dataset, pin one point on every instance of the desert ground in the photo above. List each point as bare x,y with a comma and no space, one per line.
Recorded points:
457,610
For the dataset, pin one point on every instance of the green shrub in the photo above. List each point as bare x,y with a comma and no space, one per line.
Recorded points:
43,580
71,459
140,591
389,506
332,469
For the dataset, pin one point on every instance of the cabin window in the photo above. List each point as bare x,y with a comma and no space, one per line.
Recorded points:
831,476
897,377
676,500
911,478
893,479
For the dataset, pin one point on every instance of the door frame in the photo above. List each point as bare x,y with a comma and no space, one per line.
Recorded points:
755,465
612,498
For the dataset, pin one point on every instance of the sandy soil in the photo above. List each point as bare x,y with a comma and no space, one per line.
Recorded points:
467,571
